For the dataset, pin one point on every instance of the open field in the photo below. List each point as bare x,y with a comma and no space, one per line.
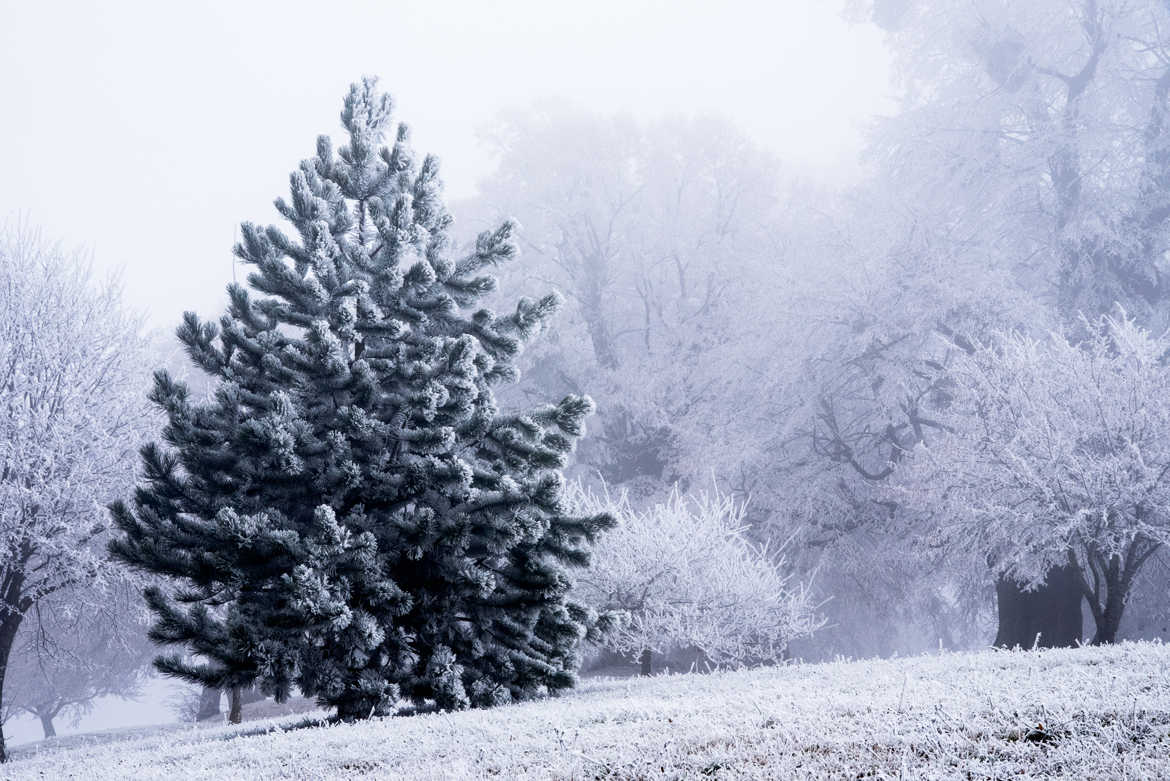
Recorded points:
1080,713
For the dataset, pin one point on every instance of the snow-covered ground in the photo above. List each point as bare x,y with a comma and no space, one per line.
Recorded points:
1079,713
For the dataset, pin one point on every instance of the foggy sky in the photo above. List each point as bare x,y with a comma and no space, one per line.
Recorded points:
147,131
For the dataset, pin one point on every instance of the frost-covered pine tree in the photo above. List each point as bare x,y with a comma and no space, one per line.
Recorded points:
350,513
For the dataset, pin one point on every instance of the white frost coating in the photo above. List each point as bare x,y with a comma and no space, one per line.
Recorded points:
685,576
1060,457
1103,712
72,412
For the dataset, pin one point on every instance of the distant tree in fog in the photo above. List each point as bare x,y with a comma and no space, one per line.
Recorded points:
686,576
71,651
1040,130
72,415
657,234
1023,182
1063,460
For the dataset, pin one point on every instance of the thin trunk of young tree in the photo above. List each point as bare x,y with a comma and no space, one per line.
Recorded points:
235,714
645,661
1106,580
1108,602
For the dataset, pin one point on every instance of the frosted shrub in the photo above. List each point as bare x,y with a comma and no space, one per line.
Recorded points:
684,575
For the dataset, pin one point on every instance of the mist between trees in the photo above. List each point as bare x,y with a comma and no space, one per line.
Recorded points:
928,409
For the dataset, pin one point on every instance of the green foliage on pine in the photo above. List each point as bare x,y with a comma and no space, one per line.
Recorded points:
350,513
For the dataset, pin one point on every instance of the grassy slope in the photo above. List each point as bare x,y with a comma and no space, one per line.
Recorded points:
1105,714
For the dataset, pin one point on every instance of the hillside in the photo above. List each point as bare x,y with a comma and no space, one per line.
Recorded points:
1080,713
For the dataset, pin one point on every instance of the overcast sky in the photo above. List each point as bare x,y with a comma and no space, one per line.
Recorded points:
148,131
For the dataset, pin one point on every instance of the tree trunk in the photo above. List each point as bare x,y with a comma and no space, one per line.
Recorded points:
596,322
47,725
1049,616
235,716
1110,617
208,703
8,629
645,661
1107,633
